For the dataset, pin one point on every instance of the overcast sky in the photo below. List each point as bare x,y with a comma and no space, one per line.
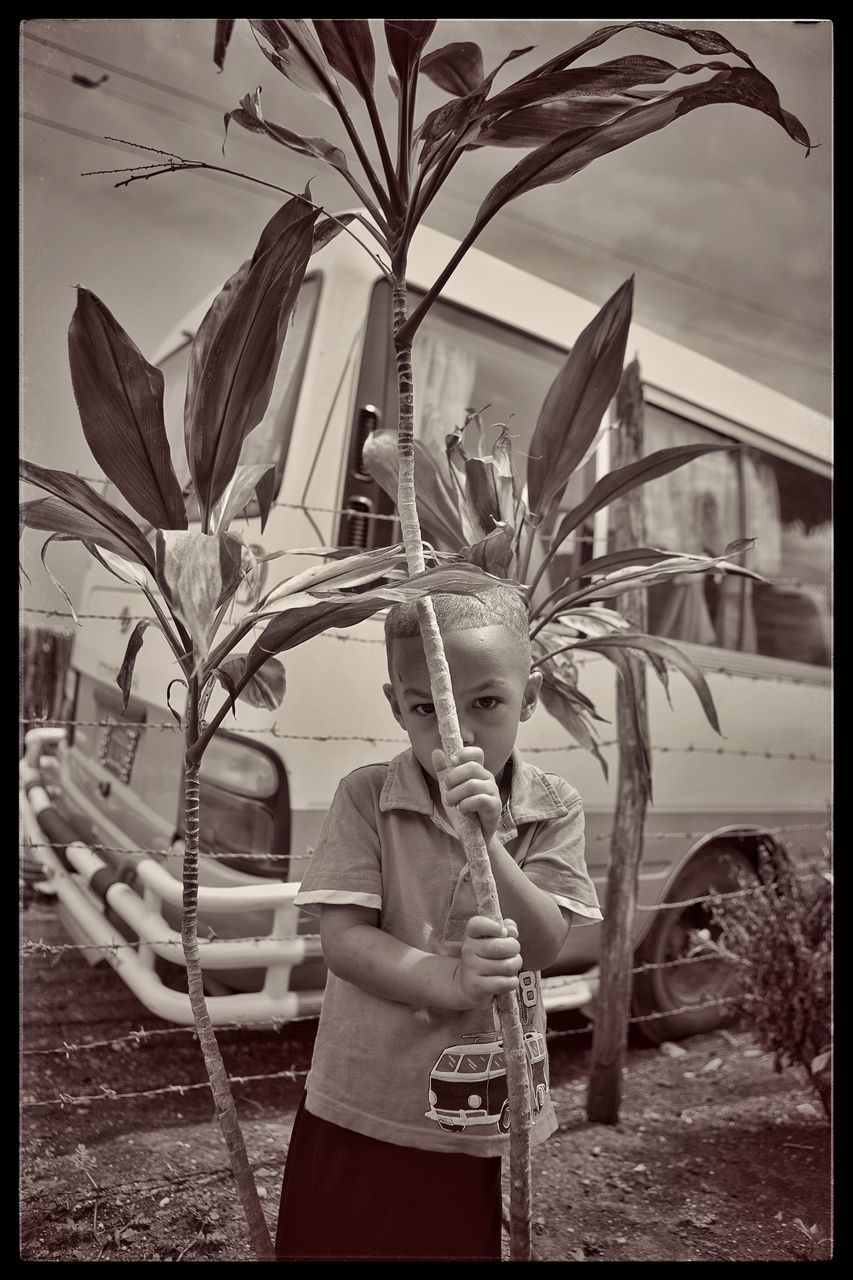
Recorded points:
721,217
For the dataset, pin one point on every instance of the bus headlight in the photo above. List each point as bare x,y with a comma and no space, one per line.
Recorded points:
244,807
475,1100
433,1097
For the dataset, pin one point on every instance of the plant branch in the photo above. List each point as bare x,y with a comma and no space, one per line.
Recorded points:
334,96
178,164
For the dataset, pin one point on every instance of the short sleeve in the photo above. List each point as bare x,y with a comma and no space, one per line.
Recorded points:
345,866
555,858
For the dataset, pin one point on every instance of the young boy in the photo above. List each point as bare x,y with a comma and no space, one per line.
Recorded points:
395,1151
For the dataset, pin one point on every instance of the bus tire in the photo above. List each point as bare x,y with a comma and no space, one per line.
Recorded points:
717,868
504,1119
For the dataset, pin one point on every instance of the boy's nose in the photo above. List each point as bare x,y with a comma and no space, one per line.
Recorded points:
467,735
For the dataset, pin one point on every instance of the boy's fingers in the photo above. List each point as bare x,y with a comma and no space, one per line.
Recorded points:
466,755
498,948
511,927
483,927
439,761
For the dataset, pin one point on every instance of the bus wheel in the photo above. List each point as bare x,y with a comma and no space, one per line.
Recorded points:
683,933
504,1119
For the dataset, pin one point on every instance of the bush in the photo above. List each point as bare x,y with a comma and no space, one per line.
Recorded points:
780,940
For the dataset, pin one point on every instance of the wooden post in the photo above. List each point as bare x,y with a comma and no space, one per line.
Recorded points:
626,847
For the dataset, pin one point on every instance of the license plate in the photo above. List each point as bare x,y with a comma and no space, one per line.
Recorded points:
118,748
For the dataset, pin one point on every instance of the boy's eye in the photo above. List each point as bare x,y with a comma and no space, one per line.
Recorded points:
488,702
424,709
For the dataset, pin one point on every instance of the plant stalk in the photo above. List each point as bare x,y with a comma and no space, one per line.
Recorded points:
468,828
226,1112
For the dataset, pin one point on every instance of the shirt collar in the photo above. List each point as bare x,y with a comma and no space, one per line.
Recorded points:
532,796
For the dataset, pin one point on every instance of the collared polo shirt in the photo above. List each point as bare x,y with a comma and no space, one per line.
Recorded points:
432,1079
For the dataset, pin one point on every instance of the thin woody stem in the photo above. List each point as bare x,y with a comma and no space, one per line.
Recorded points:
220,1087
467,826
178,164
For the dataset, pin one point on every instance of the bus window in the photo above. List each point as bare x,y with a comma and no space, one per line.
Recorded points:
268,442
789,513
463,362
715,499
697,509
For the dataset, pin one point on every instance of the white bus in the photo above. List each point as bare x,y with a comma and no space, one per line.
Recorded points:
497,338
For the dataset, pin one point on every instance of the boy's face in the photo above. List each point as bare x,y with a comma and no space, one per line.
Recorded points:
492,685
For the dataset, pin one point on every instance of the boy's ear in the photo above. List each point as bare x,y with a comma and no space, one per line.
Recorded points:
531,695
388,690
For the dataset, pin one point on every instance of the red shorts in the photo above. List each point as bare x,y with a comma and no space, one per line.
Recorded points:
347,1197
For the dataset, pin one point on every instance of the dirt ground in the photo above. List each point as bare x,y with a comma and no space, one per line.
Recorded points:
716,1157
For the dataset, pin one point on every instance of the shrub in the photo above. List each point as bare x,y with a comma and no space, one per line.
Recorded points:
780,940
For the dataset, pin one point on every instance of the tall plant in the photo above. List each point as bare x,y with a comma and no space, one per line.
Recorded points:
569,116
565,116
190,576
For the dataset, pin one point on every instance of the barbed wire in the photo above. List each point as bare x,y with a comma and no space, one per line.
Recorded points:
332,635
686,749
177,853
137,1037
37,946
277,1024
110,1095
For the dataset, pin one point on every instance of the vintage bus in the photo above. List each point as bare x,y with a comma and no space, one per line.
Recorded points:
111,786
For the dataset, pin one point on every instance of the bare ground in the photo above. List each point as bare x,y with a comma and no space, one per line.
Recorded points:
715,1157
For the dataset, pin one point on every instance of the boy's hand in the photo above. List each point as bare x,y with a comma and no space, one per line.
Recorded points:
490,961
467,783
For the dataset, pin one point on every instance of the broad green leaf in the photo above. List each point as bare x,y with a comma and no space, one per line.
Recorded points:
460,578
630,579
705,42
457,68
576,401
255,478
58,537
125,675
327,228
204,336
120,399
238,355
344,572
457,124
348,45
82,513
617,483
560,698
531,126
265,689
297,55
437,508
197,572
251,117
493,553
572,151
224,28
606,78
297,625
629,676
120,567
669,653
406,38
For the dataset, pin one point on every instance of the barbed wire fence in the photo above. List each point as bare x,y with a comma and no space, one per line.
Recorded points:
40,708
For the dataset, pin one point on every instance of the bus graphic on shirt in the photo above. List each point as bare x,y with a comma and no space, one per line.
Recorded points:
468,1084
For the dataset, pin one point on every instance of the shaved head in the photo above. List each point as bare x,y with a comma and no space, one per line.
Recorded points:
498,606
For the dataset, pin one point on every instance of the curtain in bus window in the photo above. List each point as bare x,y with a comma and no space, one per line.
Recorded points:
789,512
694,509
